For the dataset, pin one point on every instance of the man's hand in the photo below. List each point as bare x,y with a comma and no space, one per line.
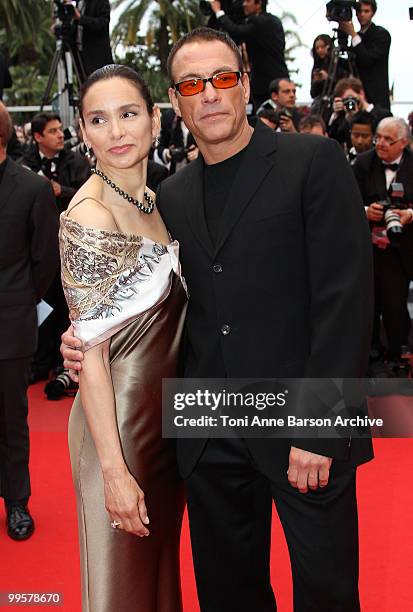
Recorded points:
338,106
374,212
286,124
215,6
57,188
76,14
308,470
348,28
72,352
406,215
193,153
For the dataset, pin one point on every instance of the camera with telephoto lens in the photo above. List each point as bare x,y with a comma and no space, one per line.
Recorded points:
283,112
341,10
61,385
351,104
178,154
65,13
232,8
394,227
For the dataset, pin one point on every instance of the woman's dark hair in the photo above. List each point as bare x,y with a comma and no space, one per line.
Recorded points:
122,72
327,40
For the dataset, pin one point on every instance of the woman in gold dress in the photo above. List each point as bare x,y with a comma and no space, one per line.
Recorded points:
121,277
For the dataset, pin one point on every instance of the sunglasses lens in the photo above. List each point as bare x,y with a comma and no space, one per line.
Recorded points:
225,80
190,87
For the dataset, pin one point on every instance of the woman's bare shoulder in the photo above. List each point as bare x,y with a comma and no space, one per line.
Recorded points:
89,211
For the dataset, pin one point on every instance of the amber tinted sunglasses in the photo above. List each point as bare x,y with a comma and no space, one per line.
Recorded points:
222,80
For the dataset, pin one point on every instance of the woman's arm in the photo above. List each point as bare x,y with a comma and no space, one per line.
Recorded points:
124,499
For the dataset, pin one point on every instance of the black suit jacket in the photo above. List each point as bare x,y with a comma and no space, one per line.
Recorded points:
265,40
73,170
371,179
28,256
96,41
5,77
372,60
296,280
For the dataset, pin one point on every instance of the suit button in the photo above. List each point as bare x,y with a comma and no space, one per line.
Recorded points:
217,268
225,329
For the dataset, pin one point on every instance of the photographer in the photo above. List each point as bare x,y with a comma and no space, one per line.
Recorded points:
283,96
91,32
371,47
263,34
350,99
176,145
376,172
5,77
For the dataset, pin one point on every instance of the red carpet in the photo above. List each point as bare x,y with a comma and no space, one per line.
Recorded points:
49,560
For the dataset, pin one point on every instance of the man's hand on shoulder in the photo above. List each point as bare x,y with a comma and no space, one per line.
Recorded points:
308,470
71,349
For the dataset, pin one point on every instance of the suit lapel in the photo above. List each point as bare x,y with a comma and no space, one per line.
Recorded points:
253,169
378,178
8,183
194,196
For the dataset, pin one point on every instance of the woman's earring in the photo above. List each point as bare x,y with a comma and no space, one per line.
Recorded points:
88,153
155,142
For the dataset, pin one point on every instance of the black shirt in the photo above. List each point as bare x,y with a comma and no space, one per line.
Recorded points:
2,169
218,181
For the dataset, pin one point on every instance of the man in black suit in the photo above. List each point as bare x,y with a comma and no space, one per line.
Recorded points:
67,171
390,162
92,18
263,34
350,90
28,263
283,93
371,47
5,77
274,292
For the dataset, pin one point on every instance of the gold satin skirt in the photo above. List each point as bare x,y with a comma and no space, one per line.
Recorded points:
122,572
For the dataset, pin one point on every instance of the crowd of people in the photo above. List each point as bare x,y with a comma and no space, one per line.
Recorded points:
155,209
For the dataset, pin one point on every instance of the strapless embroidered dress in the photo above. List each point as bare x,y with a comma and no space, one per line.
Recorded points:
129,289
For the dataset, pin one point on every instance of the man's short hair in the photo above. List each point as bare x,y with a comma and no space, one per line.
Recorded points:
204,34
311,121
274,86
371,3
40,121
348,83
6,125
364,118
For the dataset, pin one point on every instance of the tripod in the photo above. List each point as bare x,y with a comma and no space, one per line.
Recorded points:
65,58
341,57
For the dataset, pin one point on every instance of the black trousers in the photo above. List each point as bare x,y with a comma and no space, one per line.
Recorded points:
229,505
391,291
14,430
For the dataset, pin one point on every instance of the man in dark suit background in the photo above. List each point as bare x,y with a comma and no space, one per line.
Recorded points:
5,77
275,291
371,47
28,263
92,19
263,34
390,162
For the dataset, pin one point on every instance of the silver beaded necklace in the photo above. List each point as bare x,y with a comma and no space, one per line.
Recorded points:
139,205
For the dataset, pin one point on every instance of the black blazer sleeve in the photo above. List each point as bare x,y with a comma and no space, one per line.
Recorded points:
43,228
341,309
100,20
378,48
